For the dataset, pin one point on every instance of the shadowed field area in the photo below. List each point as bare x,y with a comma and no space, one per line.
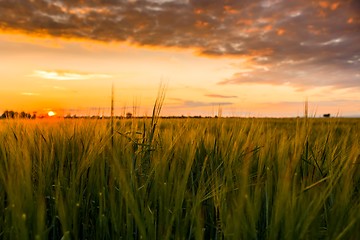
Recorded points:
180,179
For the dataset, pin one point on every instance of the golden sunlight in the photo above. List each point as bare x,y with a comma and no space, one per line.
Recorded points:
51,113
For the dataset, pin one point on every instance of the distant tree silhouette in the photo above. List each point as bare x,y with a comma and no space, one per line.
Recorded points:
128,115
4,115
12,114
22,114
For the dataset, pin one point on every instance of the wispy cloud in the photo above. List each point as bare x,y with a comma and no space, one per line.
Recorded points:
63,75
219,96
192,104
29,94
184,103
302,75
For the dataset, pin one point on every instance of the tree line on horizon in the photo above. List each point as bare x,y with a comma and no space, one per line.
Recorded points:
13,114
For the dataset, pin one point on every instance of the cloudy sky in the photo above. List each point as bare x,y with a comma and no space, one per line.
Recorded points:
245,57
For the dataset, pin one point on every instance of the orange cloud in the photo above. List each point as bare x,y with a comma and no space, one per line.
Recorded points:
201,24
324,4
280,32
30,94
87,10
252,30
220,96
198,11
334,6
246,22
268,28
230,10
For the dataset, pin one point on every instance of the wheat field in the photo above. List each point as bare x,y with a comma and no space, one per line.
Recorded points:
180,179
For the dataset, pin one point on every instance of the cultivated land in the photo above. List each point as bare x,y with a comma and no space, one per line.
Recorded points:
180,179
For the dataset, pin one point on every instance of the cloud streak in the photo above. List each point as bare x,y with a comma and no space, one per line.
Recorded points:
184,103
63,75
29,94
219,96
194,104
302,43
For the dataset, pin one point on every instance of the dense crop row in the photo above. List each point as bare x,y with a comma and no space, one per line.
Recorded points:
180,179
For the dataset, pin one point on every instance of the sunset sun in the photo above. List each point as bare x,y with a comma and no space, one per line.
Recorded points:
51,113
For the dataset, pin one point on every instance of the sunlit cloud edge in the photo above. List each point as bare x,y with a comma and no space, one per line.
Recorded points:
64,75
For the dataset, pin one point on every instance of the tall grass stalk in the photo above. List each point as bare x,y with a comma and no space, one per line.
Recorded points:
112,115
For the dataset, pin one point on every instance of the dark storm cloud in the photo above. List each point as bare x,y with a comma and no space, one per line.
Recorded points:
295,42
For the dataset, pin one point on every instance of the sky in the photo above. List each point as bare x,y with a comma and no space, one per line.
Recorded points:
244,58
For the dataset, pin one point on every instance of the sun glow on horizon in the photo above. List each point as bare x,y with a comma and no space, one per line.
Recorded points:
51,113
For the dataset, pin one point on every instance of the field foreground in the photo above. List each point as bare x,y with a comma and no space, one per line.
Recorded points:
180,179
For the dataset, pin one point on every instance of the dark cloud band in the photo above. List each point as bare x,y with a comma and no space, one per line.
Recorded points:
273,34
